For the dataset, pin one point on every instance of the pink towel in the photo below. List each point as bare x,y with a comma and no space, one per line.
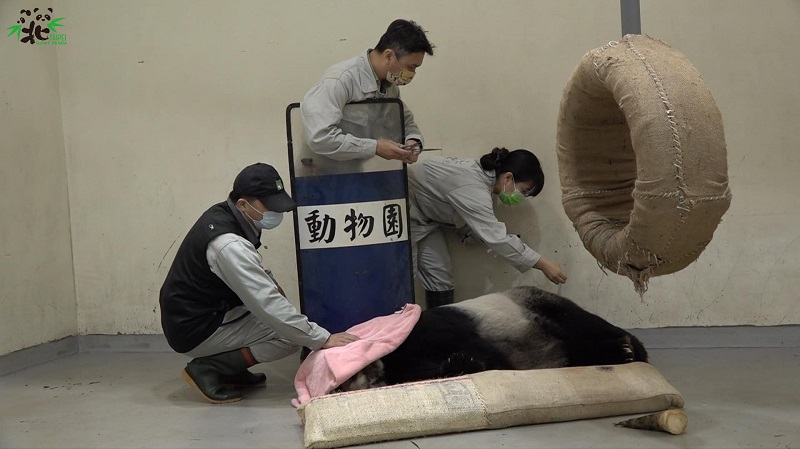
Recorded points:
326,369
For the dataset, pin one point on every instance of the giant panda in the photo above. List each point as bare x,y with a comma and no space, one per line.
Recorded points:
522,328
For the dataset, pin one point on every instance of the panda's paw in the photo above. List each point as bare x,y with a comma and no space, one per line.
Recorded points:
627,349
371,376
628,353
460,363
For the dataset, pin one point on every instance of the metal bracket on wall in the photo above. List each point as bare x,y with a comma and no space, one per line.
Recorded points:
631,17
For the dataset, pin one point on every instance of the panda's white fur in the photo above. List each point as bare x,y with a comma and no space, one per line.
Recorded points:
504,321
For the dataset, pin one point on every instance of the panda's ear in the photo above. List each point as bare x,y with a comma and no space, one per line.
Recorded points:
50,9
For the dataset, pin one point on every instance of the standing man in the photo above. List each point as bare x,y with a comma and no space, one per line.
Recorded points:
221,307
375,74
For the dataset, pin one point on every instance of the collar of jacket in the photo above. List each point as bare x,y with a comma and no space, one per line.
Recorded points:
367,78
490,175
252,234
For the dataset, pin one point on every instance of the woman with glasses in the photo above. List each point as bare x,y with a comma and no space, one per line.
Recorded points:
457,193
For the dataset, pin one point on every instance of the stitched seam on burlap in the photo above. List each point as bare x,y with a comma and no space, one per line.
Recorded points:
484,407
599,52
656,259
660,261
670,114
693,253
705,199
584,193
660,196
683,205
692,200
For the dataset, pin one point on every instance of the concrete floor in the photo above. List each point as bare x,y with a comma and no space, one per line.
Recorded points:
734,398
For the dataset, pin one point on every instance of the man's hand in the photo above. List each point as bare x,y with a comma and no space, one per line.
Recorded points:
393,151
415,148
551,270
340,339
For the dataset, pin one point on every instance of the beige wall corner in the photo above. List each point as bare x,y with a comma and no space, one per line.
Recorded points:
37,288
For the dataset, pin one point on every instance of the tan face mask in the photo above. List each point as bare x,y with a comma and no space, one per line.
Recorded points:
403,78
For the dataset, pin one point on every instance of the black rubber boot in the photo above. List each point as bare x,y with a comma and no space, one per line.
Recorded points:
436,299
205,374
244,379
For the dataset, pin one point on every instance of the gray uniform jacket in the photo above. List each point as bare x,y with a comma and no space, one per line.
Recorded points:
455,192
238,263
322,110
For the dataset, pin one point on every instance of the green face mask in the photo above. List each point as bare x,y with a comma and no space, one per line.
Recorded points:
512,198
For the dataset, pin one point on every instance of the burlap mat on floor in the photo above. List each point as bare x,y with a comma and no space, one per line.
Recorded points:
487,400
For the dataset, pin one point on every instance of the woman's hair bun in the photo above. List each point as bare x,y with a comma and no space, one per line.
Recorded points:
494,160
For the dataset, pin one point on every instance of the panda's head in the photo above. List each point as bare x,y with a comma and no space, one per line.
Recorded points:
370,376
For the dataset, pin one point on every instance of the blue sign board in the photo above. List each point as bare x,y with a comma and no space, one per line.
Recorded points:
351,225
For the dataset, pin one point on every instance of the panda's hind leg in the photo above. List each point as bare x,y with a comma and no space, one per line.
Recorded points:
587,338
610,351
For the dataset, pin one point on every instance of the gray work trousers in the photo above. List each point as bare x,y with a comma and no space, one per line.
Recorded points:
430,258
240,329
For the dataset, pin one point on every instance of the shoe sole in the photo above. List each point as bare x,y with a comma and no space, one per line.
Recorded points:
192,384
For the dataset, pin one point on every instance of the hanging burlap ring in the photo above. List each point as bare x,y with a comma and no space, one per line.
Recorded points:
642,158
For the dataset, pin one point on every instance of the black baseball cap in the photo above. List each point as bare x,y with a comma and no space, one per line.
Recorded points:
262,181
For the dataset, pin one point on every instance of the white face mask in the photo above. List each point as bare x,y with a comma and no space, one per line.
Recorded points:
269,219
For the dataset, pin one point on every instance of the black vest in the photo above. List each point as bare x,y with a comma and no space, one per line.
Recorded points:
193,299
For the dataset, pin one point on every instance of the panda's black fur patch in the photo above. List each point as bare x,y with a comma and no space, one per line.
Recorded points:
445,342
522,328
